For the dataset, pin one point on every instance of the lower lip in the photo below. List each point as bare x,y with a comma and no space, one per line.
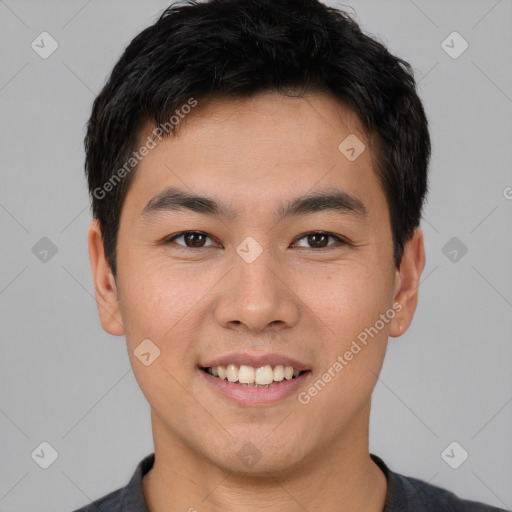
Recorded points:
253,395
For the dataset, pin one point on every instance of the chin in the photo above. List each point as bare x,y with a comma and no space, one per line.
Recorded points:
257,455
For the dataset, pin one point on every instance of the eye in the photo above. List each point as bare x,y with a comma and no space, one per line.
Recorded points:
192,239
197,239
319,239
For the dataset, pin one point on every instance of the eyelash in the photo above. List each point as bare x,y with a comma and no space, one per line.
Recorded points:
339,240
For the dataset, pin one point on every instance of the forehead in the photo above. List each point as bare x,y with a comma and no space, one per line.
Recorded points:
305,124
259,149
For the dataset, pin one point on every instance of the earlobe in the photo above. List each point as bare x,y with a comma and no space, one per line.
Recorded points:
407,280
104,283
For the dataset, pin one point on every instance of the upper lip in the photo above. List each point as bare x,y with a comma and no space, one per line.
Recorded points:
239,358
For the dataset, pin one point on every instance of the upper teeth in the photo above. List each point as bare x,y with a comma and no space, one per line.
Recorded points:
263,375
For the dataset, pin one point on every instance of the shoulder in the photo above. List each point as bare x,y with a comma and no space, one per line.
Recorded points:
424,497
130,497
110,502
411,494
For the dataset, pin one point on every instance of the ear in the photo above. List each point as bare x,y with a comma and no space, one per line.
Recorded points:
104,283
407,281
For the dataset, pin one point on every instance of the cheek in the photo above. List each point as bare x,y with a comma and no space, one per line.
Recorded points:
154,296
349,298
167,305
158,307
349,306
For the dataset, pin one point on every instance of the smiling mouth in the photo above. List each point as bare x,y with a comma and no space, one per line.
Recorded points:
263,376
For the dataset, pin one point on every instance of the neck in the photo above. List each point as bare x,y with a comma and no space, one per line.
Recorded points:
337,478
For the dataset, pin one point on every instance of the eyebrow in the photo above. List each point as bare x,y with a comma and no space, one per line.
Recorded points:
176,199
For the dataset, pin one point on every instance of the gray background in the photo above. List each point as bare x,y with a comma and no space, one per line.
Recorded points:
65,381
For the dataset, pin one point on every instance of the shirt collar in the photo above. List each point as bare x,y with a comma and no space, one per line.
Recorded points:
132,496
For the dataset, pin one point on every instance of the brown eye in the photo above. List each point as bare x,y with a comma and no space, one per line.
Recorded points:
192,239
319,240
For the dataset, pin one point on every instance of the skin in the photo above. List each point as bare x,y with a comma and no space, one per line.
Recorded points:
296,298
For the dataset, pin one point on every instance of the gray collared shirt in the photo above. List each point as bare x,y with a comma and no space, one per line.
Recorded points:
404,494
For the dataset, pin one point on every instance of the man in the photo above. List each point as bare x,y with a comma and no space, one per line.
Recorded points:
257,172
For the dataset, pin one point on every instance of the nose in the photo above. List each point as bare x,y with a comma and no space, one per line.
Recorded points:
258,296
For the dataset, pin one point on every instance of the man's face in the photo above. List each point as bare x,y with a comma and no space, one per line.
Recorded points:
256,284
